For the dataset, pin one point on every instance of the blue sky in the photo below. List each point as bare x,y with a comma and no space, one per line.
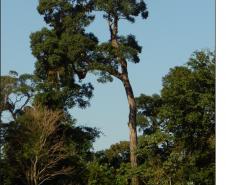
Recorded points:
173,31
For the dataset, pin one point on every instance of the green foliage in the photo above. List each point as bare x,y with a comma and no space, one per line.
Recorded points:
64,98
63,53
59,60
67,15
107,58
189,96
127,9
148,109
178,144
124,174
100,174
129,48
114,156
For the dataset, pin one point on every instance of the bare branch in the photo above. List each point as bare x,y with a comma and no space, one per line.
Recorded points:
47,155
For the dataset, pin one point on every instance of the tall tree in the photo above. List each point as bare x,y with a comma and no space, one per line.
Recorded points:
113,56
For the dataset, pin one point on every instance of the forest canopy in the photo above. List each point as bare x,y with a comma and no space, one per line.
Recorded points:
171,132
176,145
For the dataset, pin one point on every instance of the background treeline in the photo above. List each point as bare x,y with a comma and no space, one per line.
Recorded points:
176,144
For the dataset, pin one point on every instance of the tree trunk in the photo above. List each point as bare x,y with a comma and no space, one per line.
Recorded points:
132,125
131,100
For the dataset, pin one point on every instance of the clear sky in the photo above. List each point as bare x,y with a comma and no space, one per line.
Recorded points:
173,31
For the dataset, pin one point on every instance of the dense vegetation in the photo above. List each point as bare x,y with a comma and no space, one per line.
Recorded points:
42,144
177,144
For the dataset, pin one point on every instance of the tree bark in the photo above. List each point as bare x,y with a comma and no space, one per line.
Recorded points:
132,126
